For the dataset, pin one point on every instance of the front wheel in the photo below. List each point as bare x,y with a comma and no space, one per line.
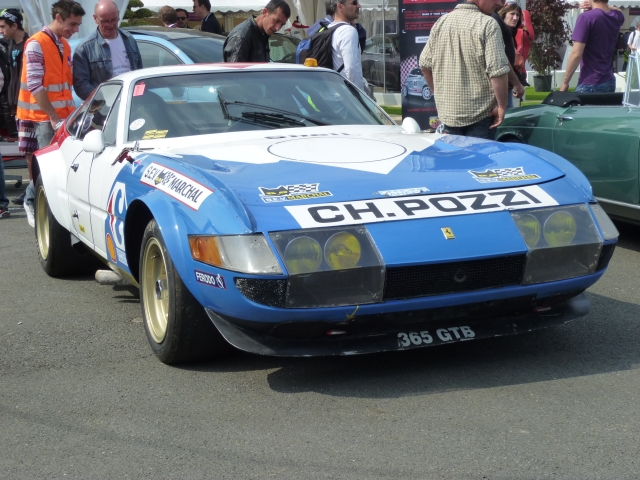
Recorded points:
426,93
177,327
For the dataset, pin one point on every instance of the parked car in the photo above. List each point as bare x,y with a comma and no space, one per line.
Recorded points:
415,84
596,133
276,208
382,54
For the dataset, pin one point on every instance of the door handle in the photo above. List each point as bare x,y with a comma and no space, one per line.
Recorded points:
74,167
563,118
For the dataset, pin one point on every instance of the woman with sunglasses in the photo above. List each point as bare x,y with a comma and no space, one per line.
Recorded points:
520,23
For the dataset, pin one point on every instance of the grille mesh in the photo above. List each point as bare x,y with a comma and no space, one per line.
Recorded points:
265,292
442,278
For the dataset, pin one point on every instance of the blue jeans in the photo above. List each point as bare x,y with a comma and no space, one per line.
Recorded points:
606,87
479,129
4,201
44,134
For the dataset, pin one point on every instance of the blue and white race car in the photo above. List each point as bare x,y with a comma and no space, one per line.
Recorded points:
278,210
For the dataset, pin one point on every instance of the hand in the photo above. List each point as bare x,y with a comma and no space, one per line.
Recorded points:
518,91
564,87
585,5
497,113
54,123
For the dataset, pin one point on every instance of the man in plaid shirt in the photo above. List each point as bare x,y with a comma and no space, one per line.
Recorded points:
466,68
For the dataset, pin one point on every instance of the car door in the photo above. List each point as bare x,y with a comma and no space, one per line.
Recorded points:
602,141
96,113
156,55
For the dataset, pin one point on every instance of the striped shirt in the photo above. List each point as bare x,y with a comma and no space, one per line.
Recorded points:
34,62
464,51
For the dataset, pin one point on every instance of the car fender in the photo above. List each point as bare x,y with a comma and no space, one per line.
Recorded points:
54,173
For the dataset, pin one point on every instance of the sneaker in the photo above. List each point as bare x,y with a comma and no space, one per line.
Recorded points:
30,214
4,212
19,200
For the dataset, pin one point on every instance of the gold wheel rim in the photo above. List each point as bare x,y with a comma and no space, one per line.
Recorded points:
42,222
155,290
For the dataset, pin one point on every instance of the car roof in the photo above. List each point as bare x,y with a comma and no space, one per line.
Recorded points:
171,33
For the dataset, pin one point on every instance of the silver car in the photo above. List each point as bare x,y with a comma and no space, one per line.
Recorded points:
415,84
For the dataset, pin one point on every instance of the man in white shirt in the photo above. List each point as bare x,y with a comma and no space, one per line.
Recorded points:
633,39
346,48
106,53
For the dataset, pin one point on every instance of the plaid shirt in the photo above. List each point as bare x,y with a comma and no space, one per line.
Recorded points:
465,50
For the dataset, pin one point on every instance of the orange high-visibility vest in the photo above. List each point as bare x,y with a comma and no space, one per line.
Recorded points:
57,82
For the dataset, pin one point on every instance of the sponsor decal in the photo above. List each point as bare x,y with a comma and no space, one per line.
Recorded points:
138,90
448,233
136,162
111,248
153,134
136,124
513,174
423,206
116,208
176,185
212,279
402,192
434,122
442,335
122,257
287,193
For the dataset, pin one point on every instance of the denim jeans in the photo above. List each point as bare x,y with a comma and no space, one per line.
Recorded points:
44,134
606,87
4,201
479,129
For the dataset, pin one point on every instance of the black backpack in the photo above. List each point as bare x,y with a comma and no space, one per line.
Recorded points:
318,46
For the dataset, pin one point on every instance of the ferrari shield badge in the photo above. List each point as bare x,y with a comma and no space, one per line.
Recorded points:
448,233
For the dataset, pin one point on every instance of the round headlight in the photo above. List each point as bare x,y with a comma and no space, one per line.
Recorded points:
342,250
560,229
529,227
302,255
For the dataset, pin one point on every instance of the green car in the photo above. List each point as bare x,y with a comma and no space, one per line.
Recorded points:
593,131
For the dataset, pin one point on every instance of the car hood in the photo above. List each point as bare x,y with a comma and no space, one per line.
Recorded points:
355,163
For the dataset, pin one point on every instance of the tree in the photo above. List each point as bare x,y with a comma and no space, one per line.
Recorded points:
552,32
137,17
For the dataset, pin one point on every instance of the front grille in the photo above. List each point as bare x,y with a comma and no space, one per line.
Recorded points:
443,278
266,292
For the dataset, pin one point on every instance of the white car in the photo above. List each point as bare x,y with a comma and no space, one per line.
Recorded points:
416,85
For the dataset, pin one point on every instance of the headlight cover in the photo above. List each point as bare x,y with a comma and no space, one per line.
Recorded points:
330,267
608,229
563,242
239,253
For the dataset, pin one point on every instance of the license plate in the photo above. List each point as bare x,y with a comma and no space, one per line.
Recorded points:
440,335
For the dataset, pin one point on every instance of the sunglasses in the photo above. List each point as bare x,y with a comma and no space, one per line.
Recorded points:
182,18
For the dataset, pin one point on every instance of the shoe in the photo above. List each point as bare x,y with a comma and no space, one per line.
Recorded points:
19,200
4,212
30,214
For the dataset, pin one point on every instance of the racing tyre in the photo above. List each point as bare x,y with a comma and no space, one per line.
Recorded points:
405,91
426,93
177,326
57,255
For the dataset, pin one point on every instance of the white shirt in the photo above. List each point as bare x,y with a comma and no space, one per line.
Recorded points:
346,51
119,58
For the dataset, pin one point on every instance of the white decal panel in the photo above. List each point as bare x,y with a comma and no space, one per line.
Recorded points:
176,185
423,206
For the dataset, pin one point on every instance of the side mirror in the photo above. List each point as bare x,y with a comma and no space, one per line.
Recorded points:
93,141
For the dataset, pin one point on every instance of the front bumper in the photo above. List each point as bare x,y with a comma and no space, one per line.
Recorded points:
401,330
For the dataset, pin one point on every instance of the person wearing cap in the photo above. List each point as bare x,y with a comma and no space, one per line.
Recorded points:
106,53
15,36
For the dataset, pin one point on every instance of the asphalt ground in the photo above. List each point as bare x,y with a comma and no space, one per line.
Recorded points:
82,396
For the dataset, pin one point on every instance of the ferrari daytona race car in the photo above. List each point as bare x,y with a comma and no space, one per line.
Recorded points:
276,209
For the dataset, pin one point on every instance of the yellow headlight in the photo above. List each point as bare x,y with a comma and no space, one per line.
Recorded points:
560,229
302,255
342,250
529,227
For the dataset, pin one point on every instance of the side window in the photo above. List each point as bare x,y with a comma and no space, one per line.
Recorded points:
72,124
154,55
99,107
111,125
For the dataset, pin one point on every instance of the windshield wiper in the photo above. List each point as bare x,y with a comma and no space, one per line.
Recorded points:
278,110
273,119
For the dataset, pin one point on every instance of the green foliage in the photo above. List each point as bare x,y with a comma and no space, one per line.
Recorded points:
135,17
134,4
552,31
143,13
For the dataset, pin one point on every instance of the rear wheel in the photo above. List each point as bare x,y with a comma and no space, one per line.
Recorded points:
426,92
57,256
177,327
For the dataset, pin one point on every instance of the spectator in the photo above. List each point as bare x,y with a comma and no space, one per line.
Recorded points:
45,96
512,16
362,33
632,43
106,53
345,43
4,201
249,41
183,18
14,35
515,87
168,16
202,8
594,40
524,38
469,83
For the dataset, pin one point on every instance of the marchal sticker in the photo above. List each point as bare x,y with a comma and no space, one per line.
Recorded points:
287,193
513,174
423,206
176,185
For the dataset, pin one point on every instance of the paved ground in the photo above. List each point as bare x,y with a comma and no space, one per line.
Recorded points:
81,395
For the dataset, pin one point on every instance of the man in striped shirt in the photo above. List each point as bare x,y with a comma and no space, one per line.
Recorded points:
45,96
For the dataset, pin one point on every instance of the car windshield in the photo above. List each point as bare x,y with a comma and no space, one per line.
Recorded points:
198,104
200,49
